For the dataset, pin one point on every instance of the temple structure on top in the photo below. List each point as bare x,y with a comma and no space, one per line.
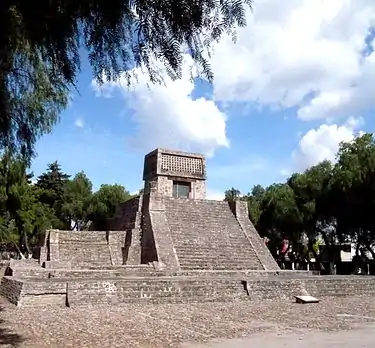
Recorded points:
174,224
175,174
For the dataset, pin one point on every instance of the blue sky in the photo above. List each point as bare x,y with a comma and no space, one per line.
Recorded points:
295,84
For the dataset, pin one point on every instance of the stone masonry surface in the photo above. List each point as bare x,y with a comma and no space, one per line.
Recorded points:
241,211
162,167
206,235
117,290
174,163
83,248
180,325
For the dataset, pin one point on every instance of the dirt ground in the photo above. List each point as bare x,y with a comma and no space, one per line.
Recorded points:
334,322
359,338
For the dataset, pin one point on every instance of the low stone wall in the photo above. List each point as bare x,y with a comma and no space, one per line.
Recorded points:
80,291
277,288
153,291
317,286
321,286
67,273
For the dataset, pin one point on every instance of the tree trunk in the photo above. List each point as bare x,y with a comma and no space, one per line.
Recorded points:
369,248
316,256
24,243
5,68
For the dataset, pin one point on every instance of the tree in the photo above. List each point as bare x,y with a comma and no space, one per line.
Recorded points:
354,187
23,216
32,94
310,191
118,36
232,194
104,202
254,200
76,202
280,217
53,185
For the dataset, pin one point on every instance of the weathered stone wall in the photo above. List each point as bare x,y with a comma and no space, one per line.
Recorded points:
206,235
241,212
198,189
174,163
162,167
321,286
157,290
81,248
148,251
281,288
177,290
128,217
163,186
11,289
69,249
157,234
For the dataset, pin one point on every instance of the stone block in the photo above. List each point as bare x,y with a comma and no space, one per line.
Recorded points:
306,299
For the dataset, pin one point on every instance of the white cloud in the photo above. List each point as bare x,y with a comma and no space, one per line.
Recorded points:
79,123
285,172
215,195
297,49
323,143
242,169
306,54
166,115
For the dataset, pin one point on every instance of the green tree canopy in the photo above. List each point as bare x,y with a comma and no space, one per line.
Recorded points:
104,203
232,194
23,215
53,186
32,95
76,202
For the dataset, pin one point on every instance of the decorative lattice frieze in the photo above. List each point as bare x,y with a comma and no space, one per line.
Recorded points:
181,164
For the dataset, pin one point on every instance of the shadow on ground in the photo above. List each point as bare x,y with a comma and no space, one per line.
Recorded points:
8,338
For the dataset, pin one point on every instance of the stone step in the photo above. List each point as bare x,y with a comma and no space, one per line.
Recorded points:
92,274
191,249
226,253
210,244
152,292
219,235
241,274
219,267
200,216
101,274
172,300
212,258
200,213
205,230
216,258
199,220
216,267
192,262
183,291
